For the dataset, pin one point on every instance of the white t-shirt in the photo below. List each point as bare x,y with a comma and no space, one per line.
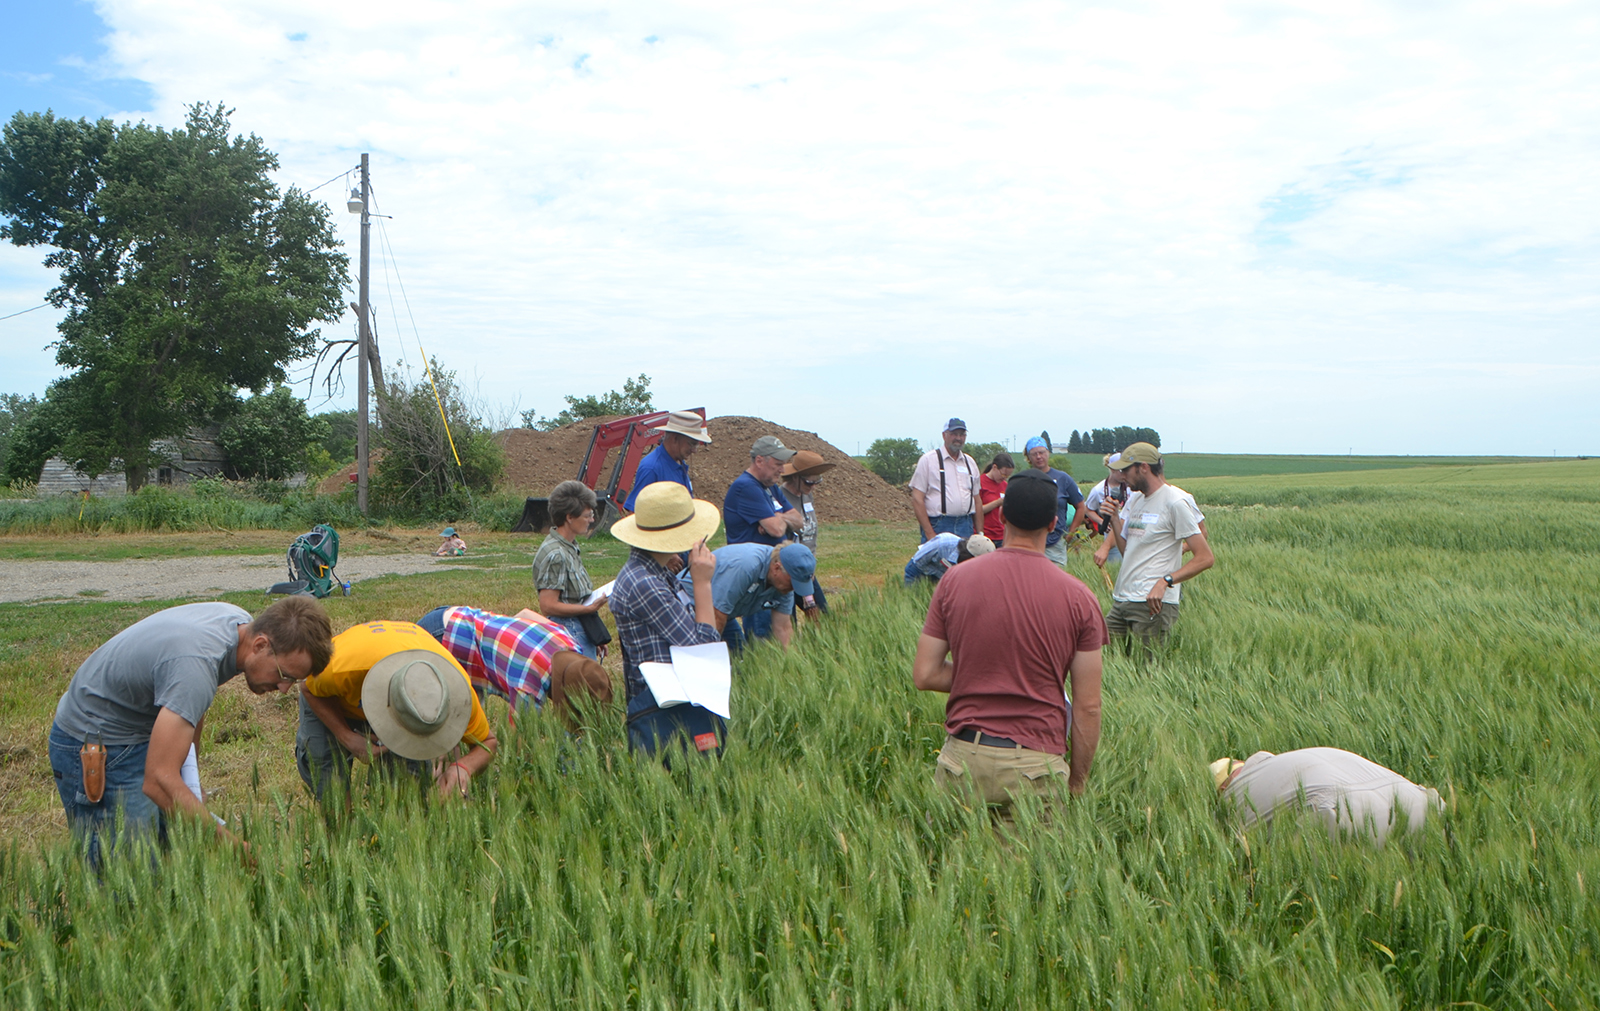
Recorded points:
1349,794
1154,527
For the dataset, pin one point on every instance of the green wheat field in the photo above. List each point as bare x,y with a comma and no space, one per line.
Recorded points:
1440,620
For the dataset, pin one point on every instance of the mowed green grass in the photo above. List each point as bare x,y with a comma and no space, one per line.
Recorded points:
1420,622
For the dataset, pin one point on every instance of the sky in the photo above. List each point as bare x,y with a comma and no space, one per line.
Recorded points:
1255,227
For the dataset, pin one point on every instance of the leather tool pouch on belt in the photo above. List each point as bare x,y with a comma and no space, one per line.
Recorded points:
93,757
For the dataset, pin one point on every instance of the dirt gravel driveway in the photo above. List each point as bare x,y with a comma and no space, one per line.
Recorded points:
165,578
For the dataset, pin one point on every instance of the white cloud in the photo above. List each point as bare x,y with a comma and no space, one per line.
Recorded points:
916,210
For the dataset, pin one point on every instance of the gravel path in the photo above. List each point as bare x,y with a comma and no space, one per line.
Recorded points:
163,578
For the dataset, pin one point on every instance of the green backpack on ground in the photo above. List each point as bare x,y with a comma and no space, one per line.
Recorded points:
312,557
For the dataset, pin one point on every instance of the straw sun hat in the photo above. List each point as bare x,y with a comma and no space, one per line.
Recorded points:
417,702
666,519
1222,768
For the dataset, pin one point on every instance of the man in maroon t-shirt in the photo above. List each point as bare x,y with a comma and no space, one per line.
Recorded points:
1018,627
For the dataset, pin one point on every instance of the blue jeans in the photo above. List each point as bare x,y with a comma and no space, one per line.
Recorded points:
961,526
433,623
934,571
124,796
652,730
739,631
580,638
319,756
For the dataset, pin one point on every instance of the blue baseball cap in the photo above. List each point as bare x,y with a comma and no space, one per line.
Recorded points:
955,424
801,565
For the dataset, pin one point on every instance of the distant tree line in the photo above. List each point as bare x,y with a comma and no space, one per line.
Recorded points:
1111,440
634,398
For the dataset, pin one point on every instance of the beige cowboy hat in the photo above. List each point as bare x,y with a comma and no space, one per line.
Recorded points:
666,519
418,702
806,464
685,423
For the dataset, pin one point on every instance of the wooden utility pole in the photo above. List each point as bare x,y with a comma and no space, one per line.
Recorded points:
365,333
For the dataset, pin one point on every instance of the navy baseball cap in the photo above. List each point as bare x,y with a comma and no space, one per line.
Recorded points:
801,565
955,423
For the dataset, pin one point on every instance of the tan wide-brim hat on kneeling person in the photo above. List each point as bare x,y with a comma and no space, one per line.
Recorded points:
417,702
666,519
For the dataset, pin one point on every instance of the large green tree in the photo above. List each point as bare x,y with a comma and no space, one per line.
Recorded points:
893,459
15,412
270,435
185,274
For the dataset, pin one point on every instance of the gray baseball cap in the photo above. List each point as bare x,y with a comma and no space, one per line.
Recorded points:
771,445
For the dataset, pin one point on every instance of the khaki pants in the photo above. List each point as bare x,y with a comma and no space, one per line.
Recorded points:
1133,617
996,776
1057,552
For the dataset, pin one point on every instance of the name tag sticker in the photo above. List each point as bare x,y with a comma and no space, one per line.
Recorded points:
1150,519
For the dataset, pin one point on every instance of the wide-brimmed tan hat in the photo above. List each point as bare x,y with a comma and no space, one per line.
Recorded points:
418,703
685,423
806,464
666,519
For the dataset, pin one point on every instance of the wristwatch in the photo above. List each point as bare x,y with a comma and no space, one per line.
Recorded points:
1168,579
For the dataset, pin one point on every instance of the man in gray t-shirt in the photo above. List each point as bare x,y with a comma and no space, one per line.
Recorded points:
1348,793
144,696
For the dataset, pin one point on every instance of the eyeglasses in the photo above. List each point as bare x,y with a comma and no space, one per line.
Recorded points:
283,676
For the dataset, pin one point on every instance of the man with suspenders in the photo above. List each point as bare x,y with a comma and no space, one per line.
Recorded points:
945,487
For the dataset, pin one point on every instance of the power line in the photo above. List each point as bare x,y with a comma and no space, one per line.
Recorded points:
342,175
26,311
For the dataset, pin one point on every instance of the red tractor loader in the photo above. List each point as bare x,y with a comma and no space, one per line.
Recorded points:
636,436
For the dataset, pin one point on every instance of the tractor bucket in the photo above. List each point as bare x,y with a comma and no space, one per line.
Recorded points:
606,513
535,517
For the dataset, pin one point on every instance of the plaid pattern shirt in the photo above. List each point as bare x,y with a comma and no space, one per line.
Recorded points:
558,565
651,619
513,656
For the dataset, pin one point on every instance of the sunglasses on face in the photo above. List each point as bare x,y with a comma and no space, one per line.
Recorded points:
812,482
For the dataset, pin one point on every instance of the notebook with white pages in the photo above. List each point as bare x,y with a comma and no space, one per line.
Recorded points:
702,675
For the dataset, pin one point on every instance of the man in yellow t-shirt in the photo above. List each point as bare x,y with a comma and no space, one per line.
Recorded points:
392,695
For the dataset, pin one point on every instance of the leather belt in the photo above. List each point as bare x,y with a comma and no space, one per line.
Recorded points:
972,735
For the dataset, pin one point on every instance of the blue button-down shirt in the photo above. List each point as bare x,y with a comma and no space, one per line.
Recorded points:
739,586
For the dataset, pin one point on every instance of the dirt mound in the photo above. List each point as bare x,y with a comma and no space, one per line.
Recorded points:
345,477
538,461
